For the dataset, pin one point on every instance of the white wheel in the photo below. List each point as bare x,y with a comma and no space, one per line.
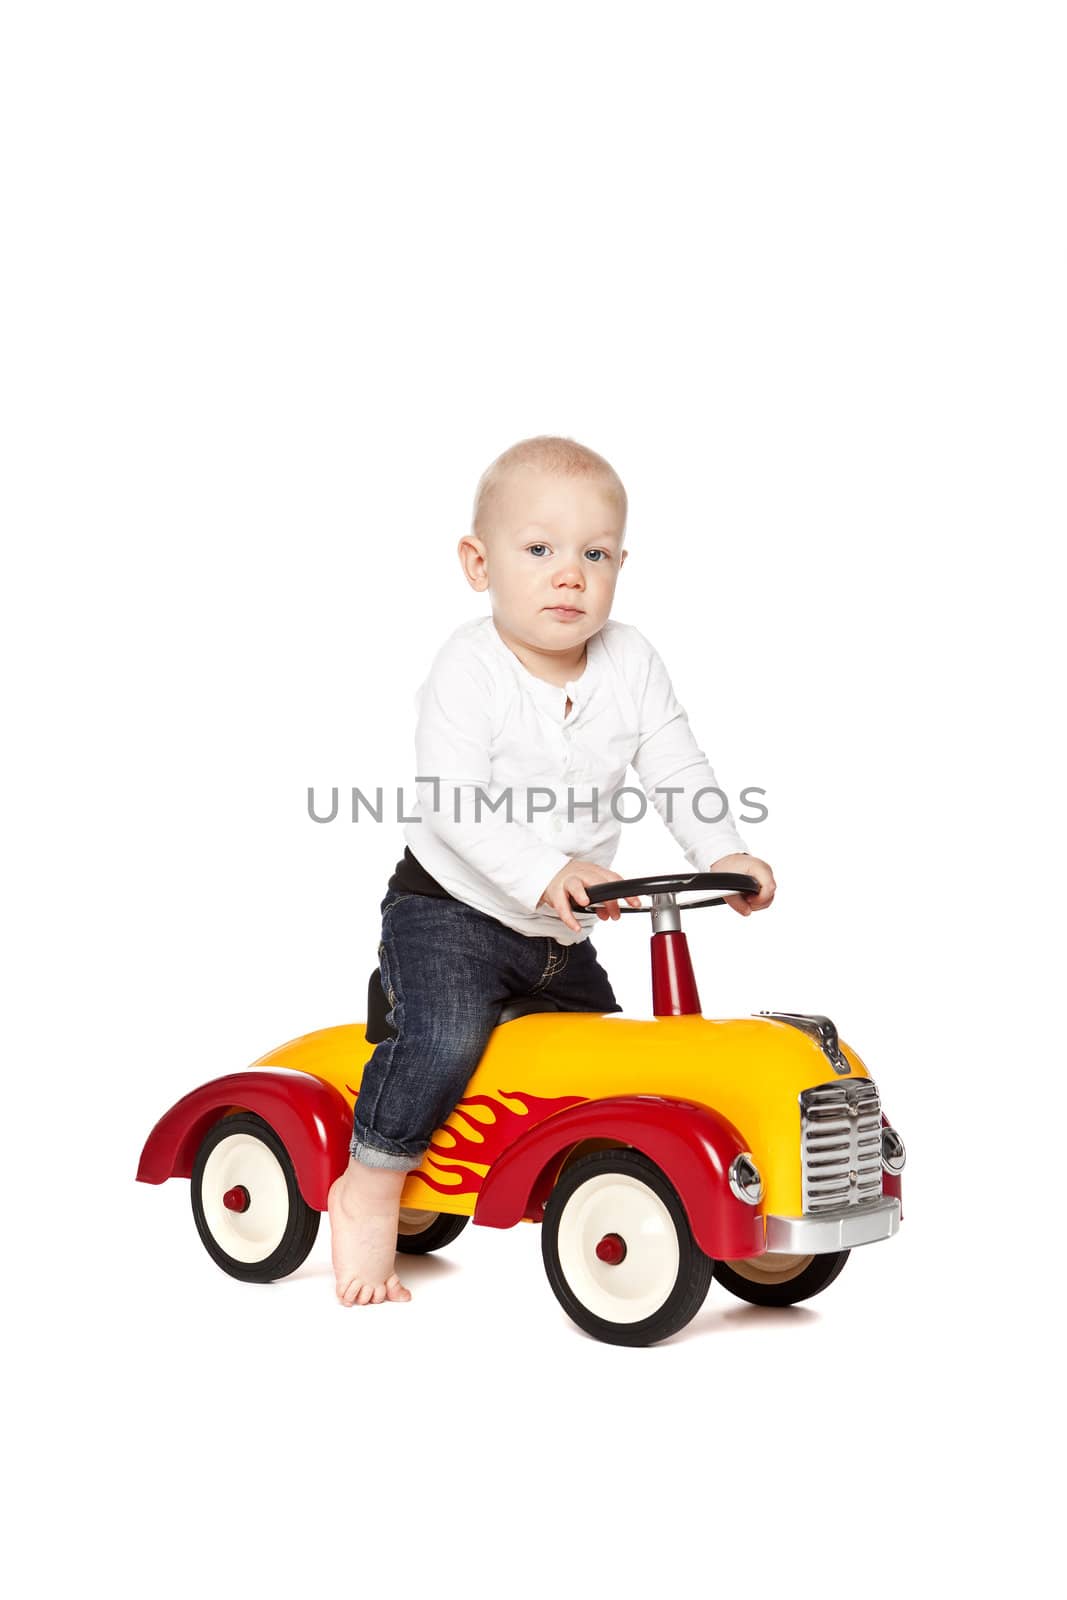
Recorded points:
249,1211
410,1222
771,1268
617,1206
420,1232
618,1249
780,1280
245,1197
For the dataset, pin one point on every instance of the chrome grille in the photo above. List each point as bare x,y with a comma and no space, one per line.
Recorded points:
841,1145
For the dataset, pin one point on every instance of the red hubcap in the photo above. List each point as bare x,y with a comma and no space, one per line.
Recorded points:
611,1249
236,1199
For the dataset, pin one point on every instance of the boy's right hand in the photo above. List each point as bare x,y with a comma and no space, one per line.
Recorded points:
571,881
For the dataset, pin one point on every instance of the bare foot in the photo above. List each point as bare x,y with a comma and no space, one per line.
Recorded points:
364,1203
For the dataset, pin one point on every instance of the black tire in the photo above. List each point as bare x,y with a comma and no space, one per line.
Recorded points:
810,1278
682,1297
289,1210
440,1229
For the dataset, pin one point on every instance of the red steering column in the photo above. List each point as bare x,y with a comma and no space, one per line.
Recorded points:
674,986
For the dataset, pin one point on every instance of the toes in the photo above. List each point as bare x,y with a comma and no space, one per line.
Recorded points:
356,1292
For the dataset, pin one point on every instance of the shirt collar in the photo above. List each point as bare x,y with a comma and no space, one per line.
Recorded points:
552,697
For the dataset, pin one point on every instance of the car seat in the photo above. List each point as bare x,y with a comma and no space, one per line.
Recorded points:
379,1028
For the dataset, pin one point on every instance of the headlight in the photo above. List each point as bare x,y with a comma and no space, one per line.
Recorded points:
745,1181
893,1157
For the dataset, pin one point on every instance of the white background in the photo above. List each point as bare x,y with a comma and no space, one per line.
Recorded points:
281,280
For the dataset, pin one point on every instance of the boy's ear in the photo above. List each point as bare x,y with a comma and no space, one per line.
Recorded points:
622,559
472,558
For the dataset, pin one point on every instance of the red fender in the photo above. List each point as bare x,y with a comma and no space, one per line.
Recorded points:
311,1117
891,1180
692,1144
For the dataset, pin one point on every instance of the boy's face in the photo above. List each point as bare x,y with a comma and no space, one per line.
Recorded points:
550,559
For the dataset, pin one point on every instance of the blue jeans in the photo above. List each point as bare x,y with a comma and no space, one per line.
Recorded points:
447,970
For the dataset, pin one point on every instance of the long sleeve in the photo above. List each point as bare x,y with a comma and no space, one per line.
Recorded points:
453,738
668,757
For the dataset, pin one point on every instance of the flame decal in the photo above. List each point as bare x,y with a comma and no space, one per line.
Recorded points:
479,1130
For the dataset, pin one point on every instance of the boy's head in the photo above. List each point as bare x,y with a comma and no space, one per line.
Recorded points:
546,541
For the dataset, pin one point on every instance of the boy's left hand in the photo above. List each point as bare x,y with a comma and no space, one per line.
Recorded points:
747,903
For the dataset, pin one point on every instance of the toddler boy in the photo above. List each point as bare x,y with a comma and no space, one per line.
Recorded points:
527,724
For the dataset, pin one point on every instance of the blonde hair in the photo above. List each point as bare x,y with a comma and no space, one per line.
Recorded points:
547,453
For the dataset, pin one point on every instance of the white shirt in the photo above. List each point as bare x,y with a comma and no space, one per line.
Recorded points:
485,722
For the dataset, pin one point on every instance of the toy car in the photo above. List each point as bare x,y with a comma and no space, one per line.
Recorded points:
655,1153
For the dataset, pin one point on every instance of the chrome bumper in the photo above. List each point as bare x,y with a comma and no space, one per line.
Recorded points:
834,1230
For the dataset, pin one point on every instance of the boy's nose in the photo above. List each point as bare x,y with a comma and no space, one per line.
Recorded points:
569,578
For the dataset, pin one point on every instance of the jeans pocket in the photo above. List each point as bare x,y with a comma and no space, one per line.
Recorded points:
391,901
387,988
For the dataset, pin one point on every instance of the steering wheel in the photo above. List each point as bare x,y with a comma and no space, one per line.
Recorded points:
673,883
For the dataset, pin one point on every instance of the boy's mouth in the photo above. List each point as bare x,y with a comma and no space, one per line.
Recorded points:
565,613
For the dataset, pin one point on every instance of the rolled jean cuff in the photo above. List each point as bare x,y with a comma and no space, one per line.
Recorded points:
370,1155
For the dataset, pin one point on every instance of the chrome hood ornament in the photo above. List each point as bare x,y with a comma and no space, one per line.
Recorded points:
819,1028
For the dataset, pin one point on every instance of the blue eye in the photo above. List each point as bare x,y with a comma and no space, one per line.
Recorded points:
535,549
601,555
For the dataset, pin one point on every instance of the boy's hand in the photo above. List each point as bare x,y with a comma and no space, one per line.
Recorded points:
572,879
747,903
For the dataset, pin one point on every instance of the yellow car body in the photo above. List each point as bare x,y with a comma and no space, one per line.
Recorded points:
750,1070
655,1152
